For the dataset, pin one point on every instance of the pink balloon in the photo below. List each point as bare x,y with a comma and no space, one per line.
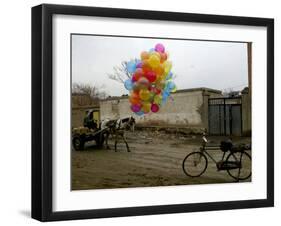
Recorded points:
139,65
136,108
160,48
154,108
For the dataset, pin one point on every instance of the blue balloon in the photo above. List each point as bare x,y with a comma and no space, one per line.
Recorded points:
164,98
171,85
131,66
166,93
139,113
151,50
170,76
128,84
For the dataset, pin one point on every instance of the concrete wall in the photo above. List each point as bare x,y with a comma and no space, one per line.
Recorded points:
186,108
246,113
77,117
247,98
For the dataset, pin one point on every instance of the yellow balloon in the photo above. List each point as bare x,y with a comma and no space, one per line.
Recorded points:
167,66
144,94
156,54
159,70
163,77
154,61
146,107
158,99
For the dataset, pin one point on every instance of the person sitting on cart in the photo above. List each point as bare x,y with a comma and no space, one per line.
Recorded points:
89,121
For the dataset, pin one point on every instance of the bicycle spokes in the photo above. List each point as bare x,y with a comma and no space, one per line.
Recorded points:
195,164
196,159
242,160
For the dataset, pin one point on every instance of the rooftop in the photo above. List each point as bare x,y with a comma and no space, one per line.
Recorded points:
204,89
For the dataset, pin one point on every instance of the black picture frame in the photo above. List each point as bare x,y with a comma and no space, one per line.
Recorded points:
42,111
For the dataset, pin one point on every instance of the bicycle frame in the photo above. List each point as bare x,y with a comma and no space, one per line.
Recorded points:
228,163
204,149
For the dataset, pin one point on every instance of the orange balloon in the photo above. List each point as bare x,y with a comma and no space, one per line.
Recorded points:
163,57
145,66
144,55
134,98
135,94
137,75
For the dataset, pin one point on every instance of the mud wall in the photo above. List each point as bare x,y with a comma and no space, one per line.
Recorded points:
185,108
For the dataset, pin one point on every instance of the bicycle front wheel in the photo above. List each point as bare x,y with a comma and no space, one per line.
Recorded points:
243,170
194,164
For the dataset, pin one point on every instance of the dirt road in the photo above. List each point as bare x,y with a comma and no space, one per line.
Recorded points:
155,160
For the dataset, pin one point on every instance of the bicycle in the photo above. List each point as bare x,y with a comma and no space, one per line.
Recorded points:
196,163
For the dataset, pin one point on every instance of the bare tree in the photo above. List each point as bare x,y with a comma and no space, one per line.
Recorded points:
230,92
120,72
95,93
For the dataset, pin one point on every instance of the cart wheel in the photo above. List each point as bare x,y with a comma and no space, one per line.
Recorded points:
99,140
78,143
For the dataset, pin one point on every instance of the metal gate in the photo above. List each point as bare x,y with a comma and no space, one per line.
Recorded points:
225,116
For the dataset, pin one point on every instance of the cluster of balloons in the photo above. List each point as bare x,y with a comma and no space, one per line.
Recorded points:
151,81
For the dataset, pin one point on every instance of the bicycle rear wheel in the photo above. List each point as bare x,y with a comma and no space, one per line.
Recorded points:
243,170
194,164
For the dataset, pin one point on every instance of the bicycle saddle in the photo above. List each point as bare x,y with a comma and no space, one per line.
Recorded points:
226,145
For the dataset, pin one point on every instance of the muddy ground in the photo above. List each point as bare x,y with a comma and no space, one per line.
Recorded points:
155,160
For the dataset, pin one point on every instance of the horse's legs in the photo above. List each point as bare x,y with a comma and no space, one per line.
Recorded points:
115,145
106,140
122,135
128,149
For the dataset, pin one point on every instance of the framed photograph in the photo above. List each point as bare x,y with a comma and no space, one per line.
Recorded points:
145,112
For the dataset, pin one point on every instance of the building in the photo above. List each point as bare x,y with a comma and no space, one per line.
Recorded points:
194,110
186,108
81,103
191,110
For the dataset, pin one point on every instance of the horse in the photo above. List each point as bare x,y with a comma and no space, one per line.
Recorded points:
116,128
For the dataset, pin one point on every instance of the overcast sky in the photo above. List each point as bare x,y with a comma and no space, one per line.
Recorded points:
217,65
